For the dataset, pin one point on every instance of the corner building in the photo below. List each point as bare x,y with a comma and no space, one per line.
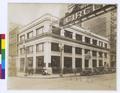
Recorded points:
39,47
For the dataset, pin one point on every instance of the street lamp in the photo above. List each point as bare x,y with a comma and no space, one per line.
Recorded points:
25,64
61,47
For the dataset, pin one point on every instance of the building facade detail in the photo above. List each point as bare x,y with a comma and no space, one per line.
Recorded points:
41,40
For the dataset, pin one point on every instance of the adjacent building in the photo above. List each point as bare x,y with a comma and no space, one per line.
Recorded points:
12,50
43,44
103,25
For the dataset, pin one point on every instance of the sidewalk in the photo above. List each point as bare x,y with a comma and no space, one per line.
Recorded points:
40,76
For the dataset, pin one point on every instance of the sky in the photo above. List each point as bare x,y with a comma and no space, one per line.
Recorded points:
23,14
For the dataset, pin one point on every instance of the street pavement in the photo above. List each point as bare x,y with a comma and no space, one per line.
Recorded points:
95,82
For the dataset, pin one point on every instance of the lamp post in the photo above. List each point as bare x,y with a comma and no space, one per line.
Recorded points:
61,47
25,64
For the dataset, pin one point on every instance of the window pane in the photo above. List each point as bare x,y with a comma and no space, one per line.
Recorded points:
78,62
78,37
100,44
30,35
87,51
94,42
56,30
87,40
68,34
30,49
78,50
105,45
100,63
86,63
39,31
105,55
54,47
39,47
67,49
94,63
100,54
94,53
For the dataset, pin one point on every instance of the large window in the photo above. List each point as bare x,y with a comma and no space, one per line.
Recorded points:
87,40
67,64
67,49
54,46
78,62
39,30
94,53
94,42
100,63
68,34
78,50
39,64
100,54
55,64
94,63
30,62
30,49
105,45
105,55
87,51
40,47
100,43
30,35
78,37
22,37
86,63
56,30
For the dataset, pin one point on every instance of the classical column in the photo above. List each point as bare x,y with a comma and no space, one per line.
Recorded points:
97,59
73,58
83,59
47,56
90,60
34,58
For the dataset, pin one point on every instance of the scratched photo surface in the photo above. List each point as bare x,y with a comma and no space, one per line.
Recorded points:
62,46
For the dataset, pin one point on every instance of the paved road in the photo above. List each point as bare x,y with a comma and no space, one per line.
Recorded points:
98,82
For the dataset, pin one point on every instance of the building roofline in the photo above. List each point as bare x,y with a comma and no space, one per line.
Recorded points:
41,18
88,32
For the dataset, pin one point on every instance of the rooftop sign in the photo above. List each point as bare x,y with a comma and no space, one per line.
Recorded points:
82,13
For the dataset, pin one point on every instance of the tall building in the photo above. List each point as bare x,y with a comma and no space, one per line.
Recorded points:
12,50
43,44
104,25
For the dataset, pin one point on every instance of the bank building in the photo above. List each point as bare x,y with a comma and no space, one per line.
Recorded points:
43,44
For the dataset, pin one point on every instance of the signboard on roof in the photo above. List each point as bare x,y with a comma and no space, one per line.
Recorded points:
82,13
